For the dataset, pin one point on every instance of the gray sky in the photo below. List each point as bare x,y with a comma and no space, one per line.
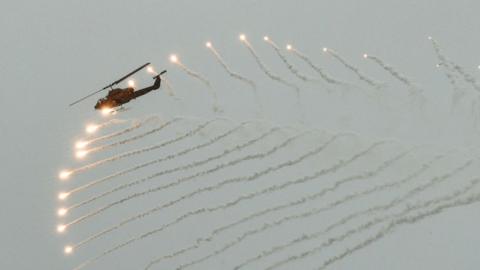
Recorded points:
53,52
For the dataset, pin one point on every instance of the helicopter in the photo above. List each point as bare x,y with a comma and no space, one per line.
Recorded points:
118,96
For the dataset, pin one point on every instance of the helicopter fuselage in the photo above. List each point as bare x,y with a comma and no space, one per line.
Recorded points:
115,97
118,96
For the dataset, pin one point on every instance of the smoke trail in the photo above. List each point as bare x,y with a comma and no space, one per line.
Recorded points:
290,67
316,211
449,72
349,217
348,198
352,68
184,179
146,149
231,163
264,68
454,66
181,180
118,133
365,226
112,122
233,74
205,189
408,195
438,52
125,141
405,220
291,204
168,86
475,111
307,60
120,156
442,59
397,75
189,166
271,189
169,157
458,93
466,76
303,200
414,91
92,128
274,77
174,59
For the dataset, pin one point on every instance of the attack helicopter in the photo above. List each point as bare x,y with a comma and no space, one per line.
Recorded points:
116,97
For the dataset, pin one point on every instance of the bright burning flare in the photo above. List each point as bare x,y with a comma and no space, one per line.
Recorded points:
325,49
63,195
151,70
81,144
289,47
208,44
131,83
63,175
106,111
68,249
365,55
81,154
242,37
173,58
266,38
62,212
91,128
61,228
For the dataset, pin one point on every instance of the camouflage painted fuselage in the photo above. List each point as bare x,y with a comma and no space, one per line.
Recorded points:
118,96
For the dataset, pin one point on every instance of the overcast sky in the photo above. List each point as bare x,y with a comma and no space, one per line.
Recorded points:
53,52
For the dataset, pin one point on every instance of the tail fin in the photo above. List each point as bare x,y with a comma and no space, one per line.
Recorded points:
159,74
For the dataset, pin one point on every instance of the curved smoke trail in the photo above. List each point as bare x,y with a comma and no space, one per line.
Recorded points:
174,59
365,226
319,70
352,68
188,134
290,67
271,189
169,157
344,220
125,141
189,166
204,189
468,78
264,67
274,149
230,72
397,75
401,221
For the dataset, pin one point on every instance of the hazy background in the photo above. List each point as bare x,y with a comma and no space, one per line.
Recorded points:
53,52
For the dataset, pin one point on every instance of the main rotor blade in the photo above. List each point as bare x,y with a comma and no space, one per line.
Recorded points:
86,97
126,76
112,84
